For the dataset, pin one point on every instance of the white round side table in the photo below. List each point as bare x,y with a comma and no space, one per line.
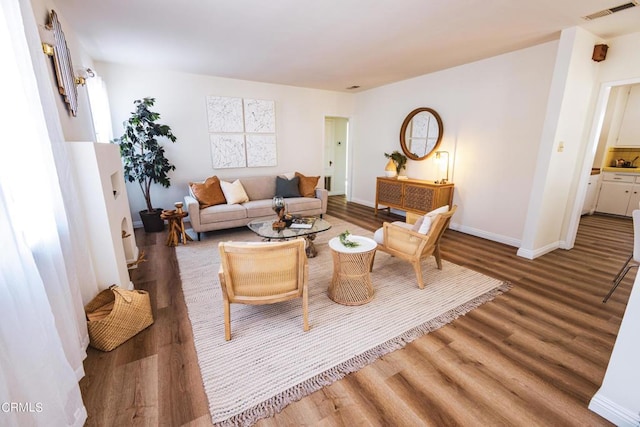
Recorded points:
351,282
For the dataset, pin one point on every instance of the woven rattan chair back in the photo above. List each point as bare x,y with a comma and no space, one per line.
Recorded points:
262,273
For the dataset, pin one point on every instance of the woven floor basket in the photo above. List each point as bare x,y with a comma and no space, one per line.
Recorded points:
115,315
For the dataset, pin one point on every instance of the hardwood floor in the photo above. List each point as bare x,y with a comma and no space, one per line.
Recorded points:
533,356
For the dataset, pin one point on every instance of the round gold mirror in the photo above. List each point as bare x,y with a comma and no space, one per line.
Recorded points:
421,133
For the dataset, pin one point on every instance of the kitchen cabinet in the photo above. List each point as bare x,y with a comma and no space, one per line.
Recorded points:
412,195
614,198
591,198
619,194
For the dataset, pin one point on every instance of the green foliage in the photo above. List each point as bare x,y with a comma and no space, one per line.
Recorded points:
345,240
142,155
399,159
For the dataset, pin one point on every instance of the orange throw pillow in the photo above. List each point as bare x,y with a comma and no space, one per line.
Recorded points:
307,185
208,193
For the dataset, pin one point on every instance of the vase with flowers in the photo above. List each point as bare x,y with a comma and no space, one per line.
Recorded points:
397,162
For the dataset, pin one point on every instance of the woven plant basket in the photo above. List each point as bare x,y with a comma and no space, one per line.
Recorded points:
115,315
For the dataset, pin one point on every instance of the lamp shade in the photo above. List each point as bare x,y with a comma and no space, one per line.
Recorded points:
443,163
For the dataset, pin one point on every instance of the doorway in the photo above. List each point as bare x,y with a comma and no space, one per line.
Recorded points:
336,132
605,131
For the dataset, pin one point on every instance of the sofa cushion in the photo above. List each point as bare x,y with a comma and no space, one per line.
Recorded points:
258,208
234,192
220,213
378,236
307,185
208,193
301,204
287,187
259,187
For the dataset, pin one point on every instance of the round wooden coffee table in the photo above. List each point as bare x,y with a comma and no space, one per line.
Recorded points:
351,282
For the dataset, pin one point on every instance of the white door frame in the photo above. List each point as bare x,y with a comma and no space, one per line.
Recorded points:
587,164
348,150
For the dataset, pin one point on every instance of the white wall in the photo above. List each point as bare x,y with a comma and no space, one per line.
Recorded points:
623,61
492,112
563,143
180,100
610,125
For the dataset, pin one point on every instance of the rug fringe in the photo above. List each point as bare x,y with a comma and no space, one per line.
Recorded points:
277,403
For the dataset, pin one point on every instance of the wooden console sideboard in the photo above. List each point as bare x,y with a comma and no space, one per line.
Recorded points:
412,195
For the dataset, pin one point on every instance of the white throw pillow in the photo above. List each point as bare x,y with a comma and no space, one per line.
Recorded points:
234,192
421,227
438,211
416,225
426,225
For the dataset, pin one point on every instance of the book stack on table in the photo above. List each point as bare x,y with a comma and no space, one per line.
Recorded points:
302,222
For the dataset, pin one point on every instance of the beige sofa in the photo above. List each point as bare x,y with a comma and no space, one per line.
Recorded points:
261,191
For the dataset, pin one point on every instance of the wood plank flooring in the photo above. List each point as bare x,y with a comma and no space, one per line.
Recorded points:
533,356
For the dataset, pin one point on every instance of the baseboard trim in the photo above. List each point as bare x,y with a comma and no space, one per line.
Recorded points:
535,253
613,412
363,202
461,228
485,234
372,205
562,244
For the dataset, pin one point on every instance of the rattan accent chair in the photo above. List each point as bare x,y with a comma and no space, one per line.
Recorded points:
263,273
414,247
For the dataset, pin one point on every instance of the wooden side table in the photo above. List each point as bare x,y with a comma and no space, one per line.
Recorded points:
351,282
177,232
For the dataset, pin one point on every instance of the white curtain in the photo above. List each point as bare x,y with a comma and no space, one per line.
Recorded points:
42,328
99,100
37,383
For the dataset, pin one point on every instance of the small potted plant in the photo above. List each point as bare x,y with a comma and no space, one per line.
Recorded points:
143,157
398,159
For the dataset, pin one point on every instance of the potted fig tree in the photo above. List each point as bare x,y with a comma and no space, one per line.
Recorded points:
143,157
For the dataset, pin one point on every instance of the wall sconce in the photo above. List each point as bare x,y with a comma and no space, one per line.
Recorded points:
440,160
47,49
82,75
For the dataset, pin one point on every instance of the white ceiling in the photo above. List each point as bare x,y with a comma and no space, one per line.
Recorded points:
326,44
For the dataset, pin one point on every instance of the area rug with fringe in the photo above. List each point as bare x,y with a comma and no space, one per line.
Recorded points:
270,362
